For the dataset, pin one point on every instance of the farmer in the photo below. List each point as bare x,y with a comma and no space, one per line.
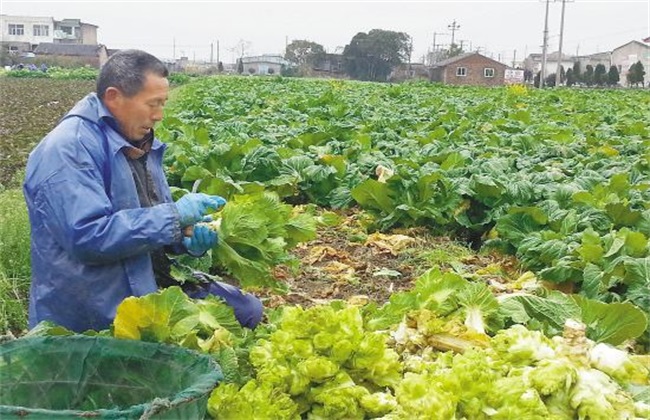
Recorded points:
101,213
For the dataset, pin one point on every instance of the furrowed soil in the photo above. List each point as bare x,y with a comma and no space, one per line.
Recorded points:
29,109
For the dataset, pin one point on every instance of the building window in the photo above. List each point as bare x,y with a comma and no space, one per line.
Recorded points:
488,72
41,30
16,29
461,71
67,29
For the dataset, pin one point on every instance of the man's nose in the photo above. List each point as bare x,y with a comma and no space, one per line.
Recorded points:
157,115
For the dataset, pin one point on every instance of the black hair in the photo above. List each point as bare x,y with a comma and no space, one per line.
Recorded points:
126,70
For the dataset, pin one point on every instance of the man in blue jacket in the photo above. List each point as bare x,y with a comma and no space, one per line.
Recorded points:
101,212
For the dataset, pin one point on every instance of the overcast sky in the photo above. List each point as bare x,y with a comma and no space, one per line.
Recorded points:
498,28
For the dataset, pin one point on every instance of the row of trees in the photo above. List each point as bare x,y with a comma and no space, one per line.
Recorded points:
592,76
368,56
595,76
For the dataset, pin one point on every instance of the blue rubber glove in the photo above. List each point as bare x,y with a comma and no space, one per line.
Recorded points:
192,207
203,238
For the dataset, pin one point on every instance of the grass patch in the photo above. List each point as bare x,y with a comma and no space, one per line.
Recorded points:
435,251
15,267
14,300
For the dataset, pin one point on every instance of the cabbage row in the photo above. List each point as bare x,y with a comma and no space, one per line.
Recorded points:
558,178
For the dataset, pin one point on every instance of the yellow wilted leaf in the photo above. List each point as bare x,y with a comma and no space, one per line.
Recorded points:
390,243
608,151
131,316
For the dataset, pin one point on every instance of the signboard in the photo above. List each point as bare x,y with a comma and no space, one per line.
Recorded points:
514,76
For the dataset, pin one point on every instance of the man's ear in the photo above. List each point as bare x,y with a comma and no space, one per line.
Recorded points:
112,94
112,98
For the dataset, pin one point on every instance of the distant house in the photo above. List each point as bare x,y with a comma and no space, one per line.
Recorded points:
21,34
330,63
553,62
92,55
627,54
24,33
74,31
533,62
263,64
604,58
469,68
406,71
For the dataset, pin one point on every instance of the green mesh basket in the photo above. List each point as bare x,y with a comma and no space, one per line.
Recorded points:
101,377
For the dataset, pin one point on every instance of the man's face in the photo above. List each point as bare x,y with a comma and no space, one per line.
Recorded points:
136,115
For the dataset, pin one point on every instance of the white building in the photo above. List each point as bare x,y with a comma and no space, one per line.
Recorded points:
534,62
264,64
23,33
627,54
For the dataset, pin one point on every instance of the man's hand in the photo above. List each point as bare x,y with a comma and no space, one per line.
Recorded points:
192,207
203,238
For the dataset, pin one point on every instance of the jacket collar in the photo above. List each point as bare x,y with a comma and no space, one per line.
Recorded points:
93,110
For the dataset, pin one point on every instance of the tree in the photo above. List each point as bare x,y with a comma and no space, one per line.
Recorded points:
372,56
577,76
588,77
301,52
570,79
240,66
453,51
613,77
600,75
550,80
636,74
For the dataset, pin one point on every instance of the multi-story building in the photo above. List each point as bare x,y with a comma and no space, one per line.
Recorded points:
20,34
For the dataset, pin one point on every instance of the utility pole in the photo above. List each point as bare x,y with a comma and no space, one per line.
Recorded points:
218,52
514,58
435,46
454,27
434,52
542,73
559,62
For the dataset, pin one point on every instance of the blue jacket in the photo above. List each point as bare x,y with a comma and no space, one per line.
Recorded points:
90,239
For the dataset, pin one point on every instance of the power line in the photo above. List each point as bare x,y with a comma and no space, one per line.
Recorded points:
454,27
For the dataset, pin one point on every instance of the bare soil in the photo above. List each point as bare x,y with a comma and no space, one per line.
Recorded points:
345,263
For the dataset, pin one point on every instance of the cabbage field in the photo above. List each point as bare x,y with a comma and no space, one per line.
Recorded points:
339,196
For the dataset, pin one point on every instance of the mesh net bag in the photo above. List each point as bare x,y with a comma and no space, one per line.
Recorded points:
82,376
